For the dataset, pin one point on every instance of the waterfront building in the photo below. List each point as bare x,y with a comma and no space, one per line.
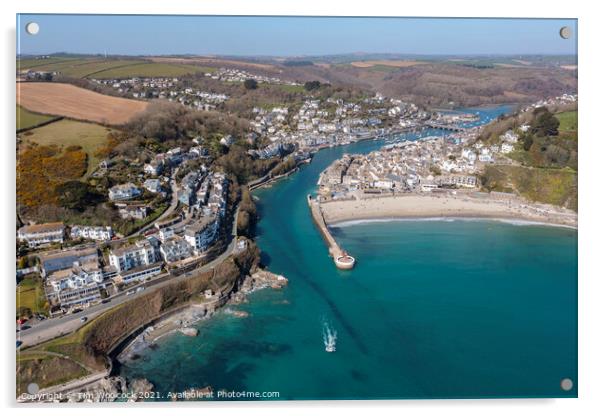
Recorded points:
72,277
91,232
40,234
139,273
142,253
202,233
175,249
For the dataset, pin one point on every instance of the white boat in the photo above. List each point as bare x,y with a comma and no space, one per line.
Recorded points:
330,338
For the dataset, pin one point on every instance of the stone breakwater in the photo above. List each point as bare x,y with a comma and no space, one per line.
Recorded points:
340,257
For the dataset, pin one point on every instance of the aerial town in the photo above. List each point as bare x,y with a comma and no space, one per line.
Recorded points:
163,203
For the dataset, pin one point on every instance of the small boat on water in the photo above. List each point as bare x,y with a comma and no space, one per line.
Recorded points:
330,338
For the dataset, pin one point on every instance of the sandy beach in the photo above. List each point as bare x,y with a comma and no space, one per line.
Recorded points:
446,206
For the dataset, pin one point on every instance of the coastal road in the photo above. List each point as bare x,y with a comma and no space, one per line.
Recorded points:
54,327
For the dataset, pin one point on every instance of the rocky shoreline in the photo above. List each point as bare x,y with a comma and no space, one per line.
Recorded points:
183,321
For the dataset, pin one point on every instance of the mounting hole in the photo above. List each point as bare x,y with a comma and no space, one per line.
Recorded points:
566,384
33,388
32,28
565,32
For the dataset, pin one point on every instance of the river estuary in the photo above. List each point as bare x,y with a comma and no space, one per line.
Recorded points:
433,309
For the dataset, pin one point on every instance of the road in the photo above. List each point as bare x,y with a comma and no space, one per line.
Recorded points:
54,327
172,207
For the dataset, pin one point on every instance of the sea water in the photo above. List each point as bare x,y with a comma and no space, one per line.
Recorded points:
433,309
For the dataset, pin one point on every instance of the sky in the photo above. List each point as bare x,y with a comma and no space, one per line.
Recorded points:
291,36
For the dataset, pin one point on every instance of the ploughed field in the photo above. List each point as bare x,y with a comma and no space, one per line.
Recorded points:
78,103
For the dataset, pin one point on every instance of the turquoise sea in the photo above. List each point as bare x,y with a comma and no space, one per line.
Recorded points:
433,309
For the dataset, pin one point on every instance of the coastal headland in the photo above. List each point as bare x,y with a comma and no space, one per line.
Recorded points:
448,205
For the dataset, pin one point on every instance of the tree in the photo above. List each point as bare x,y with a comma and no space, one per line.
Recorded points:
250,84
527,141
76,195
312,85
545,124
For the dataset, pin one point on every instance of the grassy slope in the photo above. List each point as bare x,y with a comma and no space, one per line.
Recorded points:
30,294
568,121
27,119
68,132
150,70
45,370
79,68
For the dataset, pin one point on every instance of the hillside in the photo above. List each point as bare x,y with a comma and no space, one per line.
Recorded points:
543,166
442,83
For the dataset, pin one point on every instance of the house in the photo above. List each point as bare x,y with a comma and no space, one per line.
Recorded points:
124,192
227,140
40,234
134,211
155,167
507,148
199,151
175,249
485,158
174,156
510,137
166,233
203,233
153,185
91,233
142,253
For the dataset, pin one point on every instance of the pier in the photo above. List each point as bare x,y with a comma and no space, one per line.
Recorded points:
340,257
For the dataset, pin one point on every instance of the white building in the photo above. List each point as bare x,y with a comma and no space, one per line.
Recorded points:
153,185
155,167
142,253
39,234
203,233
175,249
91,232
139,273
510,137
123,192
507,148
73,277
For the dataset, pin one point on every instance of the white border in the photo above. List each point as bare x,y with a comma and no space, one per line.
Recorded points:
589,224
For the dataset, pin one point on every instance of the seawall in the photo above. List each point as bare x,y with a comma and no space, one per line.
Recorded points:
341,259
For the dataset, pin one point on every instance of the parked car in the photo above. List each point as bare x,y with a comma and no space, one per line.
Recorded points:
83,319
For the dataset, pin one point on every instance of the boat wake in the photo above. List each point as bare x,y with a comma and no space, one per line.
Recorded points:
329,336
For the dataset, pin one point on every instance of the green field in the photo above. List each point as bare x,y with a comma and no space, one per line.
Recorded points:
27,119
68,133
23,64
109,68
80,68
30,294
568,120
151,69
